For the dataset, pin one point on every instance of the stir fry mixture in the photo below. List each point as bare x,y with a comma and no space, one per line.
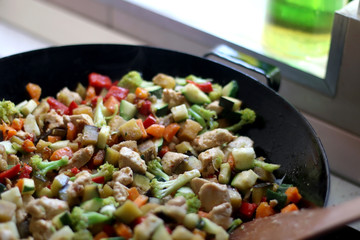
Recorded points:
133,159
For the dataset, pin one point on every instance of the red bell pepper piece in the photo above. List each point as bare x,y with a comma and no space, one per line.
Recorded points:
118,92
247,210
75,170
57,106
10,173
150,120
99,81
163,150
71,107
99,179
25,171
145,108
205,87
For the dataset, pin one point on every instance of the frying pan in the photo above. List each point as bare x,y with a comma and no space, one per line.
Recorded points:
281,134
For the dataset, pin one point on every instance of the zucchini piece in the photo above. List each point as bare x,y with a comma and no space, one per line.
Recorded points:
230,89
59,182
141,182
193,94
180,81
8,147
59,144
155,91
103,137
7,210
158,144
185,147
161,233
127,110
62,219
225,173
64,233
13,195
180,113
244,180
92,205
145,84
160,108
112,156
127,212
243,158
31,126
28,186
230,103
90,191
90,135
28,107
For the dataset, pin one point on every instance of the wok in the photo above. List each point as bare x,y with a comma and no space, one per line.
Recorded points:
280,133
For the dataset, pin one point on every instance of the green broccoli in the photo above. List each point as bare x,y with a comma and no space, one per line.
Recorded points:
248,116
204,113
43,167
131,81
106,170
162,189
83,234
7,111
155,167
192,201
81,220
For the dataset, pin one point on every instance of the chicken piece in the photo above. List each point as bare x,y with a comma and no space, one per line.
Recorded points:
209,159
21,213
66,96
46,208
124,176
197,183
212,194
165,81
148,150
129,144
80,158
130,158
239,142
166,120
176,208
145,229
221,215
41,229
12,159
171,160
120,192
3,165
51,120
76,188
79,120
173,98
210,139
214,106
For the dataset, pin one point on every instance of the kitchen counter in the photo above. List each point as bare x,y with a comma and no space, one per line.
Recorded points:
18,35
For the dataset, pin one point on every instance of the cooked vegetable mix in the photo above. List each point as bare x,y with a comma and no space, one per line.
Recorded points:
133,159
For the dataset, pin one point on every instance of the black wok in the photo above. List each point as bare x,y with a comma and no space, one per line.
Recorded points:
281,133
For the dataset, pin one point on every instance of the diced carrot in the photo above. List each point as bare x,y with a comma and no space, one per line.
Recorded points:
141,200
8,131
28,146
17,124
141,126
100,235
199,232
156,130
53,139
170,131
203,214
290,208
141,93
231,161
58,154
293,194
90,93
71,132
34,91
111,104
133,193
99,157
264,210
123,230
20,184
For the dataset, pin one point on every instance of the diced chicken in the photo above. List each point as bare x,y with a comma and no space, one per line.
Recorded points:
3,165
123,176
166,120
197,183
214,138
173,98
129,144
46,208
66,96
115,123
221,215
79,120
80,158
209,159
171,160
145,229
3,158
165,81
51,120
21,213
148,150
212,194
41,229
76,188
12,159
120,192
130,158
214,106
176,208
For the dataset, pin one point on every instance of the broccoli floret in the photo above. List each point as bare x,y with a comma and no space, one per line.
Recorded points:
162,189
81,220
7,111
131,81
192,201
83,234
205,113
110,201
106,170
248,116
155,167
43,167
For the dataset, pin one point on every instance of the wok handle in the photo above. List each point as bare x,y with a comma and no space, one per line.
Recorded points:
270,72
